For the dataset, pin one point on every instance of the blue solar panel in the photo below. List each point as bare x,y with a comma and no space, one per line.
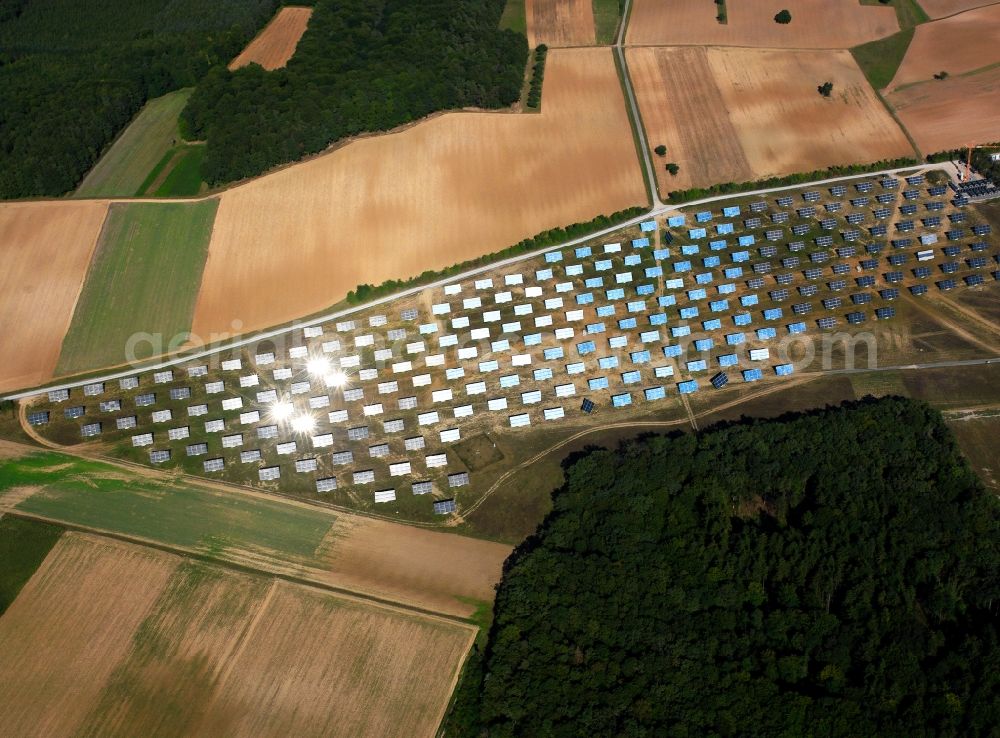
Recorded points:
724,228
704,278
654,271
584,348
731,211
551,354
666,300
553,256
794,328
728,360
697,294
654,393
765,334
617,293
746,240
686,388
671,351
712,324
718,245
644,290
726,289
658,319
583,252
640,243
735,339
647,225
773,314
703,217
680,330
597,383
751,375
742,319
697,233
711,261
631,377
682,266
748,300
633,260
594,282
698,365
718,306
733,272
704,344
675,220
687,313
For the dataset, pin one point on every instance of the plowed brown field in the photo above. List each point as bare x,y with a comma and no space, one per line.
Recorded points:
743,114
956,45
816,24
447,189
323,666
70,627
560,22
45,249
949,114
274,46
941,8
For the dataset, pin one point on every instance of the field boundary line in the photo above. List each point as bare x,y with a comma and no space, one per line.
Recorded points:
195,555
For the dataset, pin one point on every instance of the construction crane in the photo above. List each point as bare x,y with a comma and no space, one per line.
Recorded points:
968,161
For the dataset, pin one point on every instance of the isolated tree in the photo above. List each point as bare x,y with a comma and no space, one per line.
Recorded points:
783,17
825,89
941,75
673,169
660,150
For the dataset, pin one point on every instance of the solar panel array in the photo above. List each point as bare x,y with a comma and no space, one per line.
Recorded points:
603,320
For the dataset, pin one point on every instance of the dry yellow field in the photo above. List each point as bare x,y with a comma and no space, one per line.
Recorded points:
69,628
451,188
953,113
744,114
45,249
560,22
956,45
274,46
109,638
324,666
816,24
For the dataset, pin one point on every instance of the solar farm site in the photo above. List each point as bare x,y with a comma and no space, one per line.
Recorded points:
391,409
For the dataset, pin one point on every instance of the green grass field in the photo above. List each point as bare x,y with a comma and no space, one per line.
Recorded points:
144,277
90,493
605,20
880,59
125,166
178,173
513,16
908,12
24,544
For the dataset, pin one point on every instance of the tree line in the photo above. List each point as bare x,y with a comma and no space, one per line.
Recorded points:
362,65
829,574
72,75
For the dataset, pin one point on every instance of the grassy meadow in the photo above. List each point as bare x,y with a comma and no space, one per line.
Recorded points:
144,277
127,163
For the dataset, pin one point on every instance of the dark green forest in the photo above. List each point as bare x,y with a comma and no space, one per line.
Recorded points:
73,73
362,65
828,574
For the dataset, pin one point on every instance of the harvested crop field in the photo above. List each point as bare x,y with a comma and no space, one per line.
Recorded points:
744,114
450,188
948,114
956,45
942,8
560,22
109,638
428,569
275,45
46,248
816,24
326,666
68,629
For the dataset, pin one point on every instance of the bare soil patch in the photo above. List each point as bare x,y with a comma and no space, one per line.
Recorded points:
324,666
275,45
729,115
450,188
951,113
816,24
560,22
956,45
941,8
69,628
45,249
427,568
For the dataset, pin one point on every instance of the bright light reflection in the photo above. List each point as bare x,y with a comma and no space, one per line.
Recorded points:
281,410
336,379
318,366
303,423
